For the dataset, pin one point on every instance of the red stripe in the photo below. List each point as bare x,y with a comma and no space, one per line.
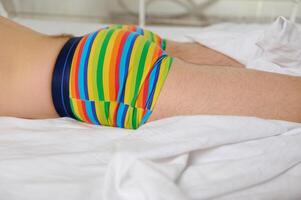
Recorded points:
133,28
115,115
118,62
87,119
145,91
77,66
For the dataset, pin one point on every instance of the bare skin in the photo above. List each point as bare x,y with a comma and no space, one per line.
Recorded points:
199,54
27,59
26,65
191,89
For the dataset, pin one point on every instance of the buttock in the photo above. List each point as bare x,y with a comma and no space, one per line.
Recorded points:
110,77
147,34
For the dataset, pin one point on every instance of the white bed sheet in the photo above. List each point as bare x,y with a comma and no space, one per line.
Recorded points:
272,47
192,157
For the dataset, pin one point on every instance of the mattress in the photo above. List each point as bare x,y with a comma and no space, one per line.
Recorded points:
183,157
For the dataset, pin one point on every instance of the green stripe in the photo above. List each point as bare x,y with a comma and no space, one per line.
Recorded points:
107,109
169,62
141,67
133,68
101,59
163,44
116,26
152,36
134,118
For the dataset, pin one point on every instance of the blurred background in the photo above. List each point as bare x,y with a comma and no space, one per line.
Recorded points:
154,12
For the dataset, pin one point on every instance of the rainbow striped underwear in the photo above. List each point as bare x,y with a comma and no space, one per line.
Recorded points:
110,77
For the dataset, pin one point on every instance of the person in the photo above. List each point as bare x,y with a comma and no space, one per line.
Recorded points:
124,76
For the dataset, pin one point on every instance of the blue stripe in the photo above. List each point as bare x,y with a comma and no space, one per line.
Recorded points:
153,83
146,116
90,42
94,113
123,115
89,112
124,64
81,71
139,30
150,89
120,114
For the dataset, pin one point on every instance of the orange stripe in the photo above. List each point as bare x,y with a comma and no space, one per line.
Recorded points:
72,72
76,67
123,40
112,69
74,83
133,28
83,113
78,104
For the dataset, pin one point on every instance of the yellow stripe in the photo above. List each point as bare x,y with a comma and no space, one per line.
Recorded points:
93,63
113,106
148,62
106,67
156,40
147,68
161,78
133,68
139,115
76,111
146,34
128,118
99,106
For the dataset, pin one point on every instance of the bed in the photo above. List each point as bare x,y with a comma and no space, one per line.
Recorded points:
183,157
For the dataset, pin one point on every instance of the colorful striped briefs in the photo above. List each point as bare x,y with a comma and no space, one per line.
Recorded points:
110,77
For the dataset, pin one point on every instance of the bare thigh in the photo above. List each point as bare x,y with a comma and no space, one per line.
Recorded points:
200,54
190,90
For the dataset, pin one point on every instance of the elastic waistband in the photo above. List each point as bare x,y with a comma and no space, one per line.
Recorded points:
60,79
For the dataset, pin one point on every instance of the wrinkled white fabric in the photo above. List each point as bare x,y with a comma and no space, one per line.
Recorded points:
274,48
3,12
197,157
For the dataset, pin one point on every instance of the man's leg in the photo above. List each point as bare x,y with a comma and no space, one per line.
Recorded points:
199,54
190,90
